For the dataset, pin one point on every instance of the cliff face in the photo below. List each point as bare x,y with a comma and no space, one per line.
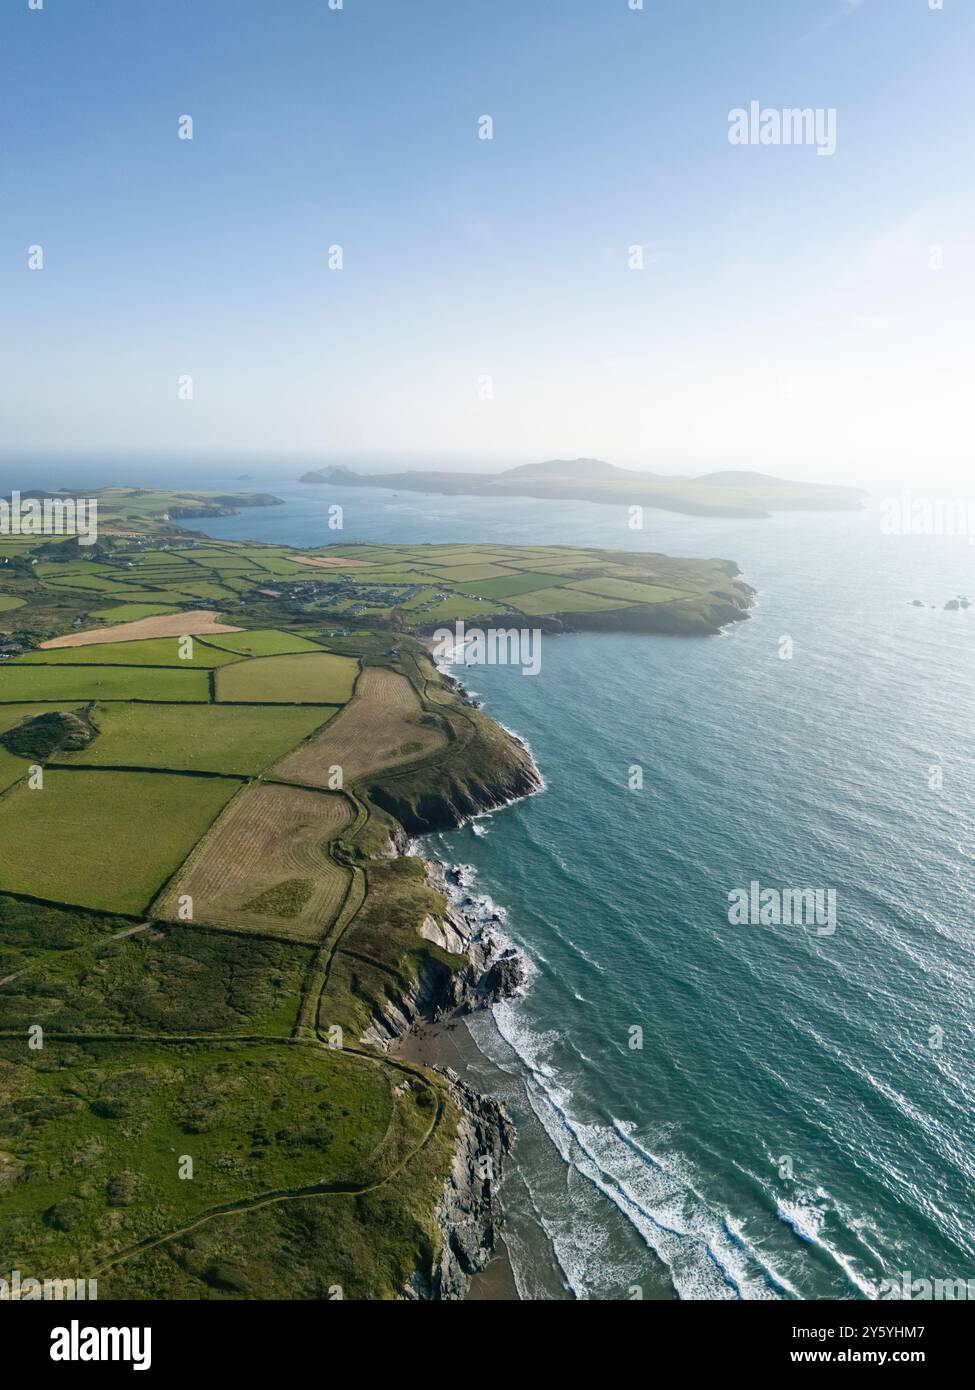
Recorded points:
466,967
467,1213
424,812
490,971
489,769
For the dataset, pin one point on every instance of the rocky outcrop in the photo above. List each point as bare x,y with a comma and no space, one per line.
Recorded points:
55,731
492,971
468,1213
457,802
492,770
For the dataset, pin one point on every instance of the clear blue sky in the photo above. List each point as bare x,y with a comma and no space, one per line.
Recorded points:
787,314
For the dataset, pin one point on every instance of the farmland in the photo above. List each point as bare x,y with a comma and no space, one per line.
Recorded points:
153,651
240,739
407,588
265,865
308,678
43,681
85,837
383,727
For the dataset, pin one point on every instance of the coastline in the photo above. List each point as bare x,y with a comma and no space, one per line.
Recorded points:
428,1029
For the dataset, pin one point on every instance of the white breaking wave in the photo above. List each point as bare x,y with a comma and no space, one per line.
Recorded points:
705,1258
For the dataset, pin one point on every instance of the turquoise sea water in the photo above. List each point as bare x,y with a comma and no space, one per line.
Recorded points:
799,1120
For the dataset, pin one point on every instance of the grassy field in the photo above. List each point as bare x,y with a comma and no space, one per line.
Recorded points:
262,643
628,590
132,612
265,865
154,651
103,1135
106,840
308,678
55,683
74,972
197,738
549,601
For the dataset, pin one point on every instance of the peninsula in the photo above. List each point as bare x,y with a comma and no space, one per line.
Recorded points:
213,756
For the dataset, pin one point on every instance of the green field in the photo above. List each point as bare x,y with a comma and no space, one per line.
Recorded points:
627,589
132,612
261,643
106,840
8,603
195,738
510,586
70,682
76,974
321,678
546,601
103,1136
152,651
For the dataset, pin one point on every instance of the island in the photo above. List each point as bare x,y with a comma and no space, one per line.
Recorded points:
213,924
730,493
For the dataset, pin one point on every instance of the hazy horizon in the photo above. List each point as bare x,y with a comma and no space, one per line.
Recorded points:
24,468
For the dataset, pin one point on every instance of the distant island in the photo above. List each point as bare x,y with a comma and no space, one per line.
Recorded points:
727,493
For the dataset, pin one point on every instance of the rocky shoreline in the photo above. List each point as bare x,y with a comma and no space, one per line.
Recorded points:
468,1213
470,927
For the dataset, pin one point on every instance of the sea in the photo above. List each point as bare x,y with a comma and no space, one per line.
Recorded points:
709,1109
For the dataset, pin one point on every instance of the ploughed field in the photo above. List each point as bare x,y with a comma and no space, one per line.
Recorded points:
265,866
384,726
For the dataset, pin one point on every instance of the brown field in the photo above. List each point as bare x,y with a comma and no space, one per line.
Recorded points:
380,728
193,624
329,562
268,838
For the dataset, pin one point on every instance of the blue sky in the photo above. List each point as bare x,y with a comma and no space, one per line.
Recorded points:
787,316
